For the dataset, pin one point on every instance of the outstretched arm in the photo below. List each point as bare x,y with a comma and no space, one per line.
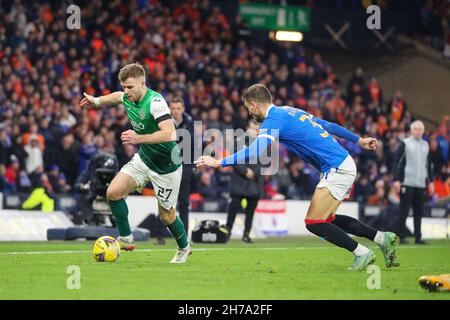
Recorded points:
337,130
254,151
109,99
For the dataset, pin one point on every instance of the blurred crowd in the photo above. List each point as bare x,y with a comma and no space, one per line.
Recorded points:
433,28
189,50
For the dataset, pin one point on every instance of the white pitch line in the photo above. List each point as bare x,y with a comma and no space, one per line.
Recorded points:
39,252
201,249
153,250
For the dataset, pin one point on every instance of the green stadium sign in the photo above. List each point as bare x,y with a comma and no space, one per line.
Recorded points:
275,17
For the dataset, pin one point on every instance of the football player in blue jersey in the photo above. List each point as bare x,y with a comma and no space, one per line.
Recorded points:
311,139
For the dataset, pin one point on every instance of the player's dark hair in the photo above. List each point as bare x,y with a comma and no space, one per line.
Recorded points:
257,93
178,100
132,70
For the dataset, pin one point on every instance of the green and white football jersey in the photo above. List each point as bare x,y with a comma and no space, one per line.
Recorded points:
145,115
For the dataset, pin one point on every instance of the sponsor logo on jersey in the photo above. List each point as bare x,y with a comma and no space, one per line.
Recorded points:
137,126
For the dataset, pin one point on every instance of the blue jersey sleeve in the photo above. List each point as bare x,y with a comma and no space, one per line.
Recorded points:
247,154
268,132
337,130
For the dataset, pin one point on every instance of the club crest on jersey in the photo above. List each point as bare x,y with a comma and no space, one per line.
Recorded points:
142,114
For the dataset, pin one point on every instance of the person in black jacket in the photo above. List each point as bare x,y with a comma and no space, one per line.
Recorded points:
184,121
246,183
66,157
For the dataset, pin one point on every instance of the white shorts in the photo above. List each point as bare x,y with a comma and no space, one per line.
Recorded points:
340,181
167,186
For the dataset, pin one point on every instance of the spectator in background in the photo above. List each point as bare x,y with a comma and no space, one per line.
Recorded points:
389,154
67,159
358,79
389,203
24,182
397,107
363,190
62,187
87,149
207,186
442,183
33,133
300,175
241,119
184,122
246,189
223,179
12,173
213,119
376,95
436,157
67,120
271,189
3,146
34,158
3,157
227,117
2,178
57,180
414,173
393,207
335,108
284,178
443,138
41,193
379,197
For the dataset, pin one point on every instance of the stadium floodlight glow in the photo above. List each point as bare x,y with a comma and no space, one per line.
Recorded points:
293,36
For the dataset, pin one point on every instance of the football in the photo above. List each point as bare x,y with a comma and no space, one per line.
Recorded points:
106,249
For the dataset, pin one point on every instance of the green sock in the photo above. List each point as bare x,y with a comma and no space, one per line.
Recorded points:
178,232
119,210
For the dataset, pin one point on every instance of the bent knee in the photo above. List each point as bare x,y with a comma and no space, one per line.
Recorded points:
318,220
114,194
167,216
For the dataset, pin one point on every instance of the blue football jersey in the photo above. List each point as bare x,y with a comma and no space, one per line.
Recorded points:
304,135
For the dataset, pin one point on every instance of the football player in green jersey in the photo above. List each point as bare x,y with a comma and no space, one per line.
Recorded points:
158,159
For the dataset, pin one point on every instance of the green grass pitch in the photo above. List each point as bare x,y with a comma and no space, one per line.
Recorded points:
270,269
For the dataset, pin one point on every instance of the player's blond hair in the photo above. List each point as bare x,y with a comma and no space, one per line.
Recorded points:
132,70
257,93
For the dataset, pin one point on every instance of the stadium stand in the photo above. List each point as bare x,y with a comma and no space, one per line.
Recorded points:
190,49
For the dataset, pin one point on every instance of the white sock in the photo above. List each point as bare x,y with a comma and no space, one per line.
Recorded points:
379,238
360,250
129,238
